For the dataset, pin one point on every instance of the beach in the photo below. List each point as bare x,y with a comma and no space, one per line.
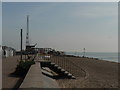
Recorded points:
89,72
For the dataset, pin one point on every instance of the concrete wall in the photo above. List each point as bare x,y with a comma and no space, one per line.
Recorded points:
35,79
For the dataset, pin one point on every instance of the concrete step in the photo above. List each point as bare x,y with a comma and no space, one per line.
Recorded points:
59,68
73,77
61,71
56,65
66,72
69,74
52,63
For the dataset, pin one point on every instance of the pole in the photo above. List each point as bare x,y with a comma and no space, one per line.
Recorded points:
84,52
21,46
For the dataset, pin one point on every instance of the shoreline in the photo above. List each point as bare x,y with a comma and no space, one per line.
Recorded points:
107,56
109,60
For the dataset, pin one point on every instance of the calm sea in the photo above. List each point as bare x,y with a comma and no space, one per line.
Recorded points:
109,56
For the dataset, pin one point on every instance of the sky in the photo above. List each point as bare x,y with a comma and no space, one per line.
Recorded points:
1,23
66,26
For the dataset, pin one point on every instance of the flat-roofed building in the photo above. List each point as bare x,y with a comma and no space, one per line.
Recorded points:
44,50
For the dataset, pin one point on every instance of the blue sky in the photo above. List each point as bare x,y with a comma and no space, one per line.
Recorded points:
63,26
0,23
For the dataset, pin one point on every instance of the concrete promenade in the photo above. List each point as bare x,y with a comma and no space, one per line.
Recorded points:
8,66
35,78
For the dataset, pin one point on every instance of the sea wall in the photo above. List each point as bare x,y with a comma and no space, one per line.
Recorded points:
35,79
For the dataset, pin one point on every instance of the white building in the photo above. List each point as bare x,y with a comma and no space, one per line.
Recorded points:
7,51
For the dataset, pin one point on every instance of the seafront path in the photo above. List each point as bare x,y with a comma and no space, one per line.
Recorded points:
33,79
8,66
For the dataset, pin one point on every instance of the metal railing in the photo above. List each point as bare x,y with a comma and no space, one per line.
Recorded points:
66,62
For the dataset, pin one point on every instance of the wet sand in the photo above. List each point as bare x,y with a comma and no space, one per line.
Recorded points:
89,73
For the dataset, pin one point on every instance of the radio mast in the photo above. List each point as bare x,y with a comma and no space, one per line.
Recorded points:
27,33
29,48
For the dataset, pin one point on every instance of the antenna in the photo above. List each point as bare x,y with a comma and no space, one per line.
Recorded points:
27,33
29,48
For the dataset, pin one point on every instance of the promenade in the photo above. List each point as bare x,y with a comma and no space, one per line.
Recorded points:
33,79
8,66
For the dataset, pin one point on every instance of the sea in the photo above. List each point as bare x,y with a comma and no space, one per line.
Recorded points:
109,56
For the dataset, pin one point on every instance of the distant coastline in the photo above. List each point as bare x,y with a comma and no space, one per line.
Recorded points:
107,56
